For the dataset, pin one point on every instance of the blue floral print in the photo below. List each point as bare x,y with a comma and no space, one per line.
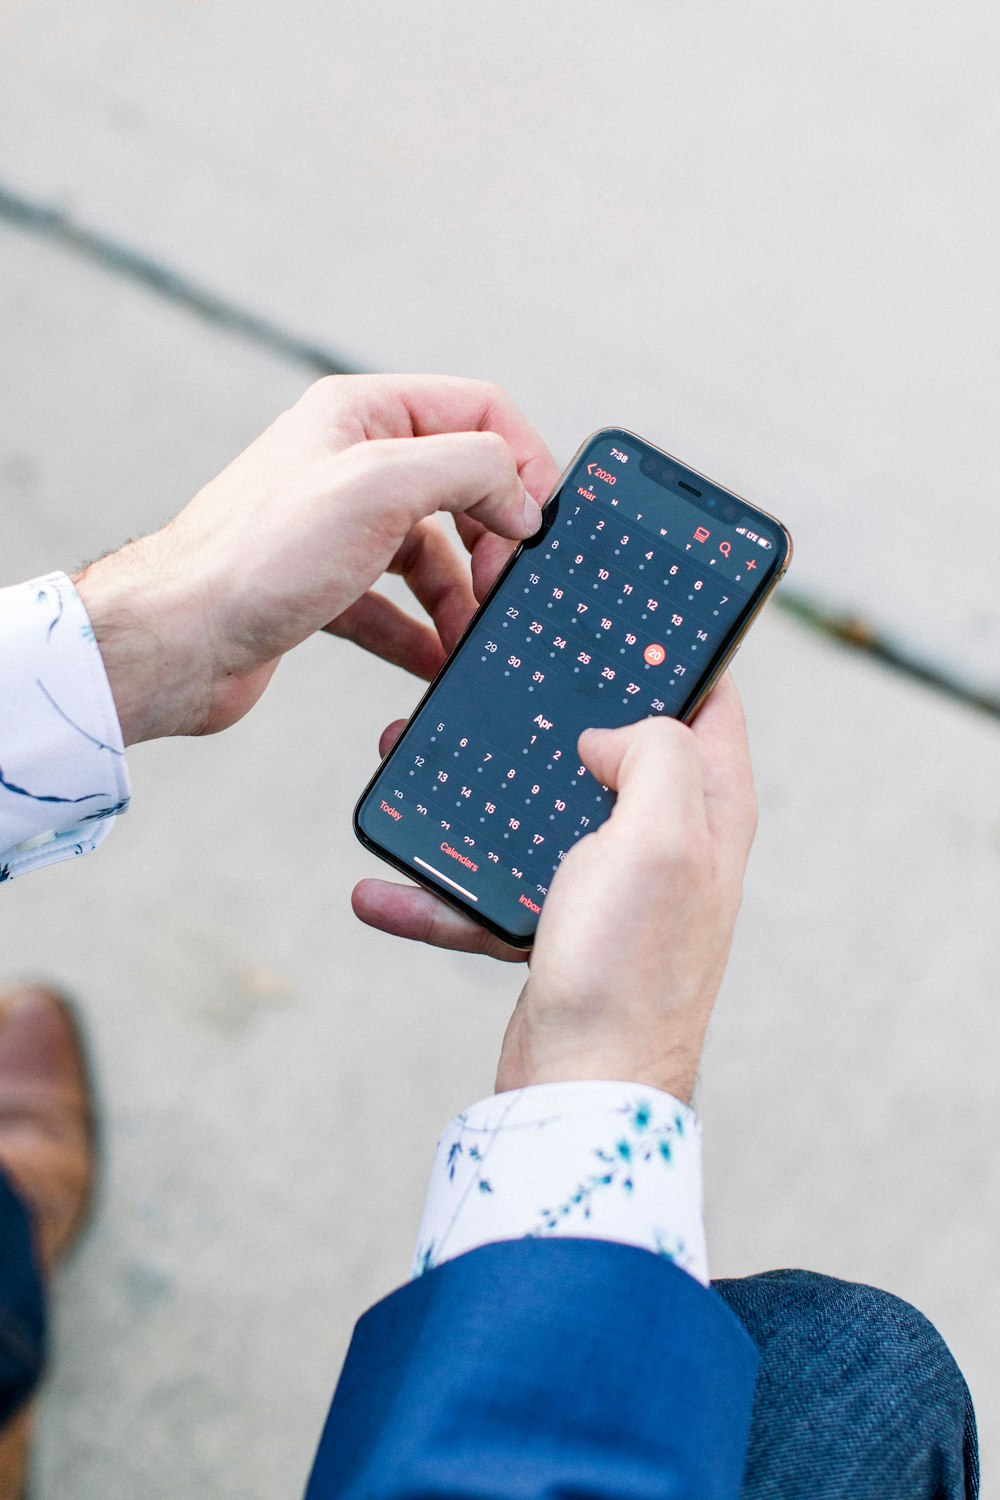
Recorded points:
648,1142
597,1160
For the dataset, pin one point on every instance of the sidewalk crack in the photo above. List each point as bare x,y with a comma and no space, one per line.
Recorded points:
51,223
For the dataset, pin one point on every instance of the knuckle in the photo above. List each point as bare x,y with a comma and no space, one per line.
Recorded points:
492,394
369,455
681,849
355,466
324,393
656,741
656,734
495,448
432,925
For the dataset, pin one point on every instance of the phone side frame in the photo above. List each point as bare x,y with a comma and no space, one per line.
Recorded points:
728,650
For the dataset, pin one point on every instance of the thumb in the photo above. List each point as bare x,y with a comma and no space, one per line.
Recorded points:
655,769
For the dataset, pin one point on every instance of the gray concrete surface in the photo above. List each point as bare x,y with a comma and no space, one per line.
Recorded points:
758,237
766,235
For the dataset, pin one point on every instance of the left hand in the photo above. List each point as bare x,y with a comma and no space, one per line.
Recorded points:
412,911
288,540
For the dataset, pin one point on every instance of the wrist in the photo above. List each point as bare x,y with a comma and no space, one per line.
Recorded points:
533,1054
145,629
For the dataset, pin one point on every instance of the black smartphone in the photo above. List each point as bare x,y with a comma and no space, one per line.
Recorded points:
629,601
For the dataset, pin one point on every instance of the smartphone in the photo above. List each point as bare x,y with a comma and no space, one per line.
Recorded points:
628,602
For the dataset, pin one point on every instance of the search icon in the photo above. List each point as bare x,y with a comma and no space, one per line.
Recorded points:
725,548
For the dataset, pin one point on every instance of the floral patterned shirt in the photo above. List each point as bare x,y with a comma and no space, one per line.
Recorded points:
612,1161
63,777
606,1161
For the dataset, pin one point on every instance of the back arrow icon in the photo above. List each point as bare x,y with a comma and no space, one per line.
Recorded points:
591,468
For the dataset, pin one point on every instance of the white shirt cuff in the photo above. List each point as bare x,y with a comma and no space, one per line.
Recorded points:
607,1161
63,777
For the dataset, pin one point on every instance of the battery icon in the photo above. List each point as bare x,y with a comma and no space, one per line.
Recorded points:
753,536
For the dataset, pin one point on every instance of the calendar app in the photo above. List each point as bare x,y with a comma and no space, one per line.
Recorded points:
618,609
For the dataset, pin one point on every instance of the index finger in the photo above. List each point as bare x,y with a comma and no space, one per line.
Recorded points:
392,483
379,406
448,404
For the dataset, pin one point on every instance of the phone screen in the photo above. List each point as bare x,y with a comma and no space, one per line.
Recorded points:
626,603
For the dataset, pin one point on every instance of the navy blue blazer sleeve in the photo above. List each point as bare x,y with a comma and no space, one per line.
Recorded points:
542,1369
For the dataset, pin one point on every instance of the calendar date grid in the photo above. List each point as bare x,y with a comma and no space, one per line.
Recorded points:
657,553
516,835
700,598
516,858
434,758
601,624
599,627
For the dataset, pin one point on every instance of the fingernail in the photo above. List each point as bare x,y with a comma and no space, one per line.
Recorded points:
532,515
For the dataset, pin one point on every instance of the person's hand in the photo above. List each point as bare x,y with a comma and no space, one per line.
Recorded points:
192,620
635,932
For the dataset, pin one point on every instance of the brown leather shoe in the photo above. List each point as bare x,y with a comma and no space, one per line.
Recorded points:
15,1439
46,1116
46,1152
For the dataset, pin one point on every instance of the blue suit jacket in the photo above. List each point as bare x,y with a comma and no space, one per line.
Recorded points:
552,1369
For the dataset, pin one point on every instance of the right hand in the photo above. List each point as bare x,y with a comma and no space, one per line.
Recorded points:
635,932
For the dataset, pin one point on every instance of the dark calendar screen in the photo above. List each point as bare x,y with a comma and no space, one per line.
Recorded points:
617,609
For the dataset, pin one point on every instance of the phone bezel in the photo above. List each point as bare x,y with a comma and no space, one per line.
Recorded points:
727,650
